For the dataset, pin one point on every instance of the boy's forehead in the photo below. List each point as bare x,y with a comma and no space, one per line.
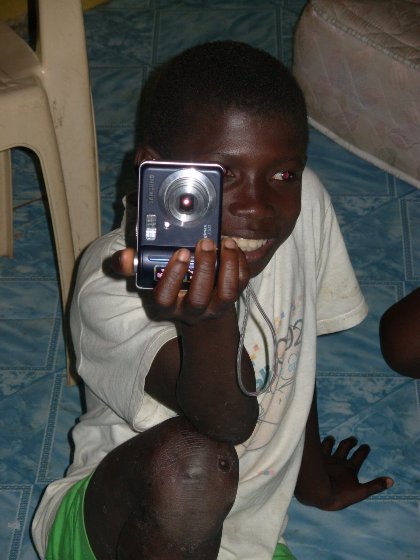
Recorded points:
234,130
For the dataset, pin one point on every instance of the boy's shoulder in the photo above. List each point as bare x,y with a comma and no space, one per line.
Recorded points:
312,185
315,198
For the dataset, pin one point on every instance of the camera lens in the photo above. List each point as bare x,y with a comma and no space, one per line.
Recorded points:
186,196
186,203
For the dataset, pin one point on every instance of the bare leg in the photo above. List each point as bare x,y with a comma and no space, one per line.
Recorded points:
162,495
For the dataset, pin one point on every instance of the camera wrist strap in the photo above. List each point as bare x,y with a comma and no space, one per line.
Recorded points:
272,372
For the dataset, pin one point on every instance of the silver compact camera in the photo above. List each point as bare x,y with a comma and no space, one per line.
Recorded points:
178,204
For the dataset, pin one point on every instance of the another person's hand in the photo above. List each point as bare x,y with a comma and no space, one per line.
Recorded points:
343,469
208,295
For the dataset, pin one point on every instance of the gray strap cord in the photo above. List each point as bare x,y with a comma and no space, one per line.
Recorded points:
272,372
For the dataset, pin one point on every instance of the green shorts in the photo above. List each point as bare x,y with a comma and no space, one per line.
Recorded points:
283,553
68,538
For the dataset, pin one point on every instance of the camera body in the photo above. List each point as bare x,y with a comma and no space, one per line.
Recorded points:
178,204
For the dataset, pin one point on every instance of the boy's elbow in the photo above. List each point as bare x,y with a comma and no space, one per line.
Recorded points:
241,432
232,436
228,428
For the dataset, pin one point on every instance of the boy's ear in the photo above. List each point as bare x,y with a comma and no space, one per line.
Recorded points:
145,153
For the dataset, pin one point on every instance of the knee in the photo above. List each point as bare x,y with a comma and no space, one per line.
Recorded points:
190,467
170,483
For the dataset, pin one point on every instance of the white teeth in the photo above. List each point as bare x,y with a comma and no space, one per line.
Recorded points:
247,245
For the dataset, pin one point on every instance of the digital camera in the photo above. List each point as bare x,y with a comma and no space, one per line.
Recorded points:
178,204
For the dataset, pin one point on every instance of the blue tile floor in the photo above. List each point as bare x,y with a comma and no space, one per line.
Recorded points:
358,393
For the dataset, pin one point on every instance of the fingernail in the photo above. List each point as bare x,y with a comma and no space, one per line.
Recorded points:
389,483
183,255
207,245
229,243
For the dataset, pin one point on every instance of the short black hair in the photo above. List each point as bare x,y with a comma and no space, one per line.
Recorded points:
216,76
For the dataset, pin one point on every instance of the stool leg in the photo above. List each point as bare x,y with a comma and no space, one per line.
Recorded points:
6,205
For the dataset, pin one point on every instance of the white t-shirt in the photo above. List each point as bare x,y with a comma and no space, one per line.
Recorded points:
308,289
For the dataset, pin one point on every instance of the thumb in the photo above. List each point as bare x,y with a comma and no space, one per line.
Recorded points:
377,485
121,263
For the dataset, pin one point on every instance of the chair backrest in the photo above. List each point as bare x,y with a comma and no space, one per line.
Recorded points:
61,49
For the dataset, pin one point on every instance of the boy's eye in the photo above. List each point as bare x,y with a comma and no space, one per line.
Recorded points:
228,172
285,176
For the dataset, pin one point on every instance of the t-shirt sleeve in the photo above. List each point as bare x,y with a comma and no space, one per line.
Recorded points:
340,302
114,340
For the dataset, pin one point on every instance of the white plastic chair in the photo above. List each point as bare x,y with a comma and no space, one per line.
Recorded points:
46,106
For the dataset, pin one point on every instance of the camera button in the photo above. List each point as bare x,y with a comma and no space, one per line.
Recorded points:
150,233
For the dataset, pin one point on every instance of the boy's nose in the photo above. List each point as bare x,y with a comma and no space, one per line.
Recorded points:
251,201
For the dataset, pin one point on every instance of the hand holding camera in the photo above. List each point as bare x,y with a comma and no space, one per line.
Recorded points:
208,296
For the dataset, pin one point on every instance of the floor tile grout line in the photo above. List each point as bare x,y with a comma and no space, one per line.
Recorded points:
48,439
22,516
406,240
27,278
55,335
156,31
354,375
417,390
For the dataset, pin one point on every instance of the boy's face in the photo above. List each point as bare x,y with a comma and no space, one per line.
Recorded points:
263,158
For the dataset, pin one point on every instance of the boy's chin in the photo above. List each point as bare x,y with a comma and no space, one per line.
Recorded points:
258,259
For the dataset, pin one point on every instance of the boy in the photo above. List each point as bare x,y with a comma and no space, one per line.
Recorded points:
173,460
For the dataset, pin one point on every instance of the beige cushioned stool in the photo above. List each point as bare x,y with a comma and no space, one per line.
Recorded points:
358,63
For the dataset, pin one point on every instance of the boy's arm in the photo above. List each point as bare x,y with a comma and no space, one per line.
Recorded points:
196,375
329,480
201,385
207,388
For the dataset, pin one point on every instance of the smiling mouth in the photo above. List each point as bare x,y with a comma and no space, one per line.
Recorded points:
247,245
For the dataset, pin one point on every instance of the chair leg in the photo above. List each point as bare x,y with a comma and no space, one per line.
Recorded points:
27,118
57,203
59,211
6,205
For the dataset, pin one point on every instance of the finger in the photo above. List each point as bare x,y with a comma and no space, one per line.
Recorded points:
361,492
345,446
122,262
203,279
359,456
244,275
228,279
165,294
376,486
327,445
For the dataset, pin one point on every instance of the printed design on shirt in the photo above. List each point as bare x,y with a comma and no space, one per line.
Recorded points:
274,402
268,472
